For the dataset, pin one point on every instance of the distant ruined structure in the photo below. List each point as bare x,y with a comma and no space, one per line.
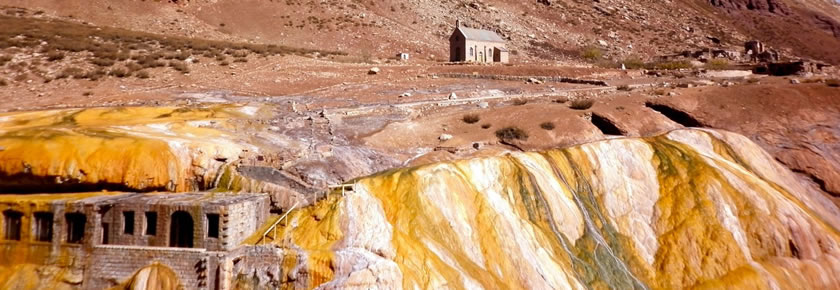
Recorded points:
109,237
477,45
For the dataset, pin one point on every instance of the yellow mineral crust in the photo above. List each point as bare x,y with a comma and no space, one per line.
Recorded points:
140,148
152,277
684,210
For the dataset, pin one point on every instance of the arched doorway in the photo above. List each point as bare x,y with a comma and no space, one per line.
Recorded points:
181,230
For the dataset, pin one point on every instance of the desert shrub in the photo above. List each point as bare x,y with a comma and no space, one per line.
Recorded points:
834,83
471,118
142,74
55,56
239,53
71,72
119,72
591,53
95,74
582,104
179,66
103,62
547,126
511,133
561,99
486,126
520,102
133,66
717,64
633,63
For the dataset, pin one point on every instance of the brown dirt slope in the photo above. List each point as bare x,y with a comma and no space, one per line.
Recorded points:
559,30
809,28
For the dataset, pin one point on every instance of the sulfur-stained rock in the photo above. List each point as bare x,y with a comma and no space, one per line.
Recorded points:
141,149
691,208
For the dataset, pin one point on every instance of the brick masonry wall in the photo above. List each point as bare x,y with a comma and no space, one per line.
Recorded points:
110,265
524,78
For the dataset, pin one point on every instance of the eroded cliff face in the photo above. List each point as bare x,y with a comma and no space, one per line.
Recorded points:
134,149
691,208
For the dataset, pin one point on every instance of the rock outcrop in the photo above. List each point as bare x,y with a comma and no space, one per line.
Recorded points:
691,208
137,149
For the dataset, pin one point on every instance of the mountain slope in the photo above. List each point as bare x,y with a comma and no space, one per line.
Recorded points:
539,29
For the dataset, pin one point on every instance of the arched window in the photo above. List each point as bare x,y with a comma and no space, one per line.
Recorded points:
472,52
181,230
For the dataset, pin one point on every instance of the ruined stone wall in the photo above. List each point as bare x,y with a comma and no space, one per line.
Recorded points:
242,220
524,78
109,265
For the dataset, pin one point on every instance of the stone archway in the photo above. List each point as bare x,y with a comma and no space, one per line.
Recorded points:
181,230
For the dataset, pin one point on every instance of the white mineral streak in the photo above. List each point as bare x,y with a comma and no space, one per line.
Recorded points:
785,233
629,190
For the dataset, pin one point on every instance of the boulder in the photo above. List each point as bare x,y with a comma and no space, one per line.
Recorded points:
373,71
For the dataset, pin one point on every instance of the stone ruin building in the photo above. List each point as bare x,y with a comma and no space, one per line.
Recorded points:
477,45
113,235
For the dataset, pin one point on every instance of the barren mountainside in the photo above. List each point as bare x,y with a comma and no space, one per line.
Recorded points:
546,29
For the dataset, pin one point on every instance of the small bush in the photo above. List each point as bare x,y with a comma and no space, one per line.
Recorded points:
486,126
717,64
582,104
520,102
179,66
55,56
834,83
511,133
71,72
142,74
119,72
103,62
95,74
633,63
547,126
591,53
471,118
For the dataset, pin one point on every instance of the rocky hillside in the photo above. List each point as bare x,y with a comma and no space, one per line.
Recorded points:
537,30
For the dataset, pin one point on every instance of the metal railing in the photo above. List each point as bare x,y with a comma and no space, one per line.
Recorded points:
274,226
346,187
